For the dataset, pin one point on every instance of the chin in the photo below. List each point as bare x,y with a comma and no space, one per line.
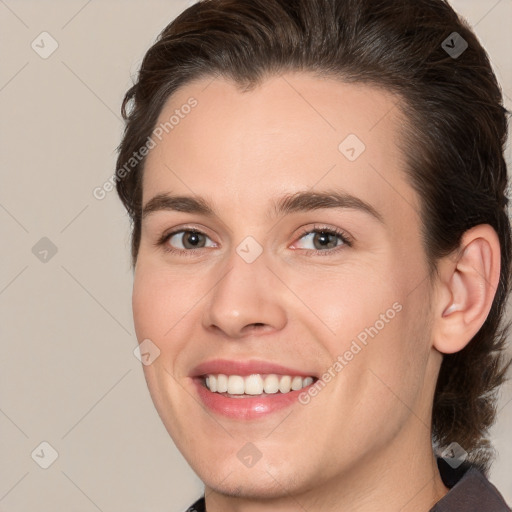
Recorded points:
251,485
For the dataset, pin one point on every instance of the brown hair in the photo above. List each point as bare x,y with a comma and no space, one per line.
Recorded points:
454,138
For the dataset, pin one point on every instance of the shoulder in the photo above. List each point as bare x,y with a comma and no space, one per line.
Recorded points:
470,491
198,506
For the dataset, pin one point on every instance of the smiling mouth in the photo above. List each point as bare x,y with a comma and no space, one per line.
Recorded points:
238,386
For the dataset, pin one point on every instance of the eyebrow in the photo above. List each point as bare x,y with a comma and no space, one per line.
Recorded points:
303,201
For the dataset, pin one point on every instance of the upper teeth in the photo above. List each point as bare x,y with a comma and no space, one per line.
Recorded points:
255,384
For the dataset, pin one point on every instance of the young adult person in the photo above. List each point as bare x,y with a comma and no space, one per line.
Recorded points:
321,252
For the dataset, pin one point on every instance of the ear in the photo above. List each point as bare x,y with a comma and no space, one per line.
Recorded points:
467,283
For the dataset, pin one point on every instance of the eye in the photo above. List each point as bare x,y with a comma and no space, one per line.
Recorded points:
325,239
183,240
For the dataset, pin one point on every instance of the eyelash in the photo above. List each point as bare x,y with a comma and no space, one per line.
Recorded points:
162,242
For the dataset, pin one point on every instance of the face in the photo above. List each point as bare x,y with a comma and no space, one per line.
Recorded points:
275,280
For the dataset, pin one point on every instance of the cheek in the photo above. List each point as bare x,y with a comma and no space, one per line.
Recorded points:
345,304
160,300
370,323
395,358
148,299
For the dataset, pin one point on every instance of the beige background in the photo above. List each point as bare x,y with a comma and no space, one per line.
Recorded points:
68,373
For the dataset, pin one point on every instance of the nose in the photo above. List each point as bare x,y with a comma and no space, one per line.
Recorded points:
248,299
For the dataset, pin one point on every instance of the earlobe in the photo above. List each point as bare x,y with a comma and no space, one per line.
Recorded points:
468,285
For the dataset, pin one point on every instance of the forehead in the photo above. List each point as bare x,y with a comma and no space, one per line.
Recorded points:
292,132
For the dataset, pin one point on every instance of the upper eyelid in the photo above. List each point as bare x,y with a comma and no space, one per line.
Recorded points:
318,227
172,232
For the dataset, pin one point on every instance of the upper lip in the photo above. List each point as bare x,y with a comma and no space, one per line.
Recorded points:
245,367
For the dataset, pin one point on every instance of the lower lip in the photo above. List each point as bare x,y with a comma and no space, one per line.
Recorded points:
249,407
